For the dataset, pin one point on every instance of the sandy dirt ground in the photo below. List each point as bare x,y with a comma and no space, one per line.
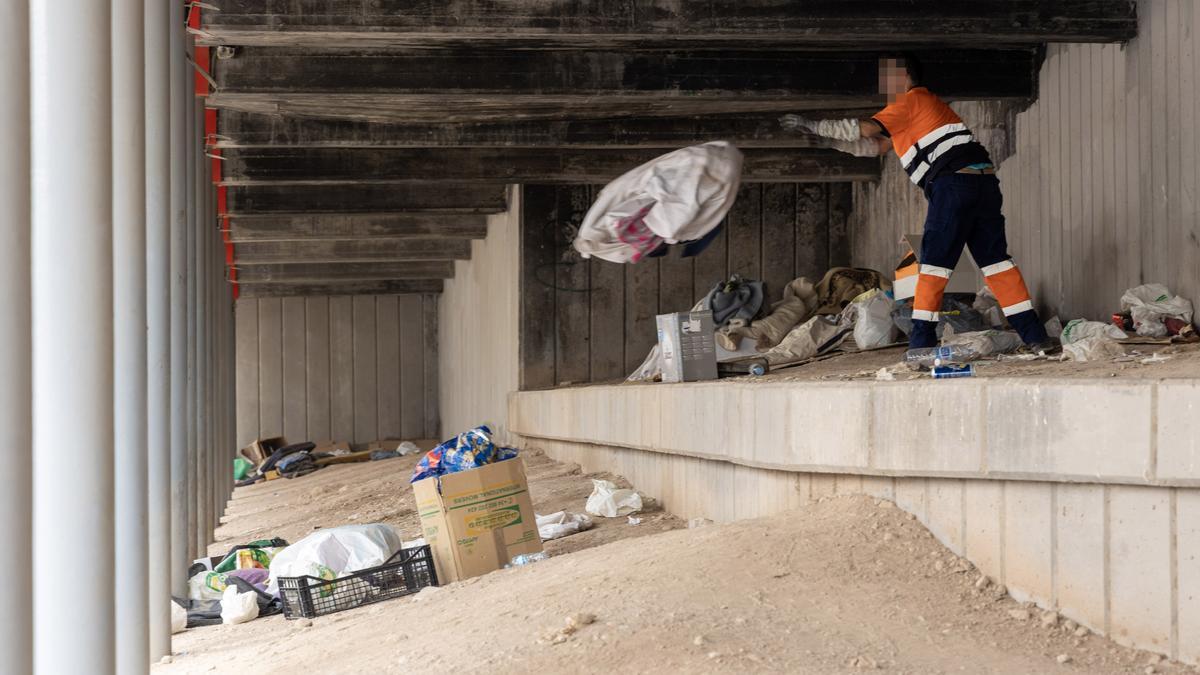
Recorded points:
847,585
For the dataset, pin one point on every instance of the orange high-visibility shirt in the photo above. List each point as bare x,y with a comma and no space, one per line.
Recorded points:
928,136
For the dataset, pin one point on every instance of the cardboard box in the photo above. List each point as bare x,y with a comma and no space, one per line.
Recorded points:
965,279
479,520
259,450
688,344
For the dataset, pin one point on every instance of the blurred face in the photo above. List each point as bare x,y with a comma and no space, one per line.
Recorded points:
893,78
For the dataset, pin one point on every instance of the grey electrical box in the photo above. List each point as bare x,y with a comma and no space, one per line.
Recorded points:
689,350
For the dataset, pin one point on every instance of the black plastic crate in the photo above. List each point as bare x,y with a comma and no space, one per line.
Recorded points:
405,573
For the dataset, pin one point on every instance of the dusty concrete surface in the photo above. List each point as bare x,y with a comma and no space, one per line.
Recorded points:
843,586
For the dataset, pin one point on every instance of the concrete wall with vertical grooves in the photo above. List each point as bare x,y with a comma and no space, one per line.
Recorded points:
1082,496
478,329
344,368
1101,188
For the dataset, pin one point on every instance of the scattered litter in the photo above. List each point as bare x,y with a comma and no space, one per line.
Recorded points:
885,374
1095,348
237,607
334,552
871,313
609,501
407,448
651,368
1021,357
988,306
695,523
983,342
1154,358
1079,329
952,371
528,559
633,520
469,450
561,524
380,455
1063,658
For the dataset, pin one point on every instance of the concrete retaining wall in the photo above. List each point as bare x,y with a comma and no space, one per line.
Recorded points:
1080,496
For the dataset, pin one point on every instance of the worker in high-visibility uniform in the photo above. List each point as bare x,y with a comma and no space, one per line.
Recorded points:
942,157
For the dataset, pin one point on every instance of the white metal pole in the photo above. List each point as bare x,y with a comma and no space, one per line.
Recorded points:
157,29
16,494
180,95
129,327
72,284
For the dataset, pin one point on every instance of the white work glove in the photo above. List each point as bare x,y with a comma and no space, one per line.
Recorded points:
841,130
863,147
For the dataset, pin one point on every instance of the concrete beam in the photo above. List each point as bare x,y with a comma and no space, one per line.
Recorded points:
367,198
516,165
308,226
657,24
474,86
269,290
352,250
309,273
249,130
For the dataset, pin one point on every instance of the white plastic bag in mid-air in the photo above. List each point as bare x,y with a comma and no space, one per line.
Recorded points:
680,196
609,501
238,607
329,554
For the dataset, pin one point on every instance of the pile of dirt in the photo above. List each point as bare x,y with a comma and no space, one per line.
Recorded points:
843,586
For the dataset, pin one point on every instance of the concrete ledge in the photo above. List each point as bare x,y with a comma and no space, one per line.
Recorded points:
1143,433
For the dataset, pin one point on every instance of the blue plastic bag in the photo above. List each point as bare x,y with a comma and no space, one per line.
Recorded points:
469,450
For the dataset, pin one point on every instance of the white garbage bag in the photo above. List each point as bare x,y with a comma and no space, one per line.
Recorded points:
650,369
333,553
1150,304
178,618
1078,329
984,342
987,305
609,501
1095,348
871,314
237,607
680,196
561,524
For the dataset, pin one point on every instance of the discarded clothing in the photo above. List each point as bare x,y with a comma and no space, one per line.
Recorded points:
799,302
679,197
736,298
841,285
271,462
469,450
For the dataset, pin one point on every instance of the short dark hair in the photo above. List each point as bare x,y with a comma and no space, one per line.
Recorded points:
912,65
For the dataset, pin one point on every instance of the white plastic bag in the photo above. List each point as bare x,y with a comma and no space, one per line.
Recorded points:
871,313
407,448
1095,348
561,524
1078,329
686,193
650,369
329,554
984,342
987,305
178,618
609,501
1149,304
238,607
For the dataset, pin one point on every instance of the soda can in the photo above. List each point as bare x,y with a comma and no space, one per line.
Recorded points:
945,372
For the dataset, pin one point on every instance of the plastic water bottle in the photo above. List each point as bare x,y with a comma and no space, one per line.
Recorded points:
528,558
929,357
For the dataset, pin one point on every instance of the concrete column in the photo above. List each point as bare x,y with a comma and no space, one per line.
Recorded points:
193,308
157,29
72,238
200,331
129,327
16,514
180,102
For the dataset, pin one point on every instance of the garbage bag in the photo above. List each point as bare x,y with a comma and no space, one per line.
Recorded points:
179,618
609,501
238,607
1094,348
242,467
259,554
469,450
955,312
680,196
1150,305
816,336
871,315
329,554
984,342
989,307
561,524
1079,329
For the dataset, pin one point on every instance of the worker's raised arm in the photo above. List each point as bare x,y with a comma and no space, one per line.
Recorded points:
861,138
